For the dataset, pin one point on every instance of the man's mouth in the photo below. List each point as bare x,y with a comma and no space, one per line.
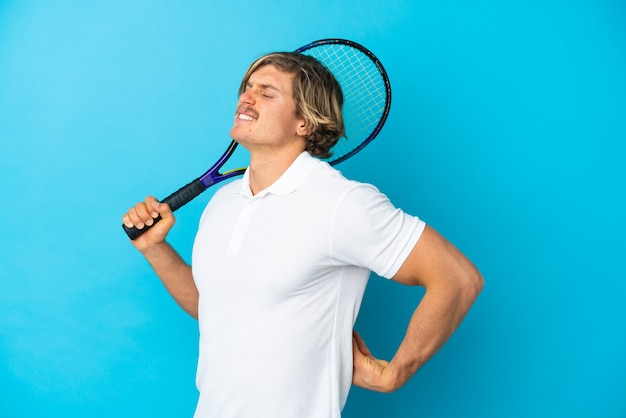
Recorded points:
247,114
243,116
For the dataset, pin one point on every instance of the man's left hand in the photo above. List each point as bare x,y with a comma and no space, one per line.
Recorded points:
368,371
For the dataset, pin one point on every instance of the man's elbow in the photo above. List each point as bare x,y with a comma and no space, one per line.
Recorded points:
473,284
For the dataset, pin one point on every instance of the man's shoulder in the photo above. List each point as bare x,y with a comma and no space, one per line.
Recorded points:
229,188
328,186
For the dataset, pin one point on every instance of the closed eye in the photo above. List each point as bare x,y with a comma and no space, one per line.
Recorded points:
266,90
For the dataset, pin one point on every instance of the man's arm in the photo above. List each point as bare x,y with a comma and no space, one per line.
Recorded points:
452,285
166,262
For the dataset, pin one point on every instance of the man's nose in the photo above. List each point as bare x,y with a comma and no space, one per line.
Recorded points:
247,97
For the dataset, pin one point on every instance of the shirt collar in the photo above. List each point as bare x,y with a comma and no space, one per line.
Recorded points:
290,180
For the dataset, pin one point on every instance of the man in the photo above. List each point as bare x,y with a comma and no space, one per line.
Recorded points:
282,257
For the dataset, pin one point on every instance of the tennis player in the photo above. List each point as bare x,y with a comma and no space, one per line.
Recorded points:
282,257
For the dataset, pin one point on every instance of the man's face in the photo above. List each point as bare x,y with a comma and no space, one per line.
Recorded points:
266,112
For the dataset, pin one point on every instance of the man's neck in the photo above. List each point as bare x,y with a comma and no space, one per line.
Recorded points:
266,168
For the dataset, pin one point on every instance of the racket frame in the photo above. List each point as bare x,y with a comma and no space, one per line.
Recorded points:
384,76
190,191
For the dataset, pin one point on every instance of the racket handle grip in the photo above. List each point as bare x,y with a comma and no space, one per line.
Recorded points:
175,201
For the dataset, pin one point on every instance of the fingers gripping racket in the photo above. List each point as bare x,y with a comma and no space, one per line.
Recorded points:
367,100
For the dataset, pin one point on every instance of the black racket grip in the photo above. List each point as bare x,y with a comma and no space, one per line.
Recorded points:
175,201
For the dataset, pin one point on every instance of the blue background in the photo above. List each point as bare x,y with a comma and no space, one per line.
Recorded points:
506,134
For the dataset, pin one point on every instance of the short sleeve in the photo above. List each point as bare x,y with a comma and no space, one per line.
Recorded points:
368,231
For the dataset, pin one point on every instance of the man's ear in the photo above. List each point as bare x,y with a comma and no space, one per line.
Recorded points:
302,129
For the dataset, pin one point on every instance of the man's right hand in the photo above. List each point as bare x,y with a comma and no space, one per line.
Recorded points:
173,271
143,214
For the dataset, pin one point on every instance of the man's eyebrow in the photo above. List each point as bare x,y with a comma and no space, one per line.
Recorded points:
265,86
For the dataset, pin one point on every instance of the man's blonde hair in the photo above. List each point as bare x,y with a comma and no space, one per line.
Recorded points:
317,96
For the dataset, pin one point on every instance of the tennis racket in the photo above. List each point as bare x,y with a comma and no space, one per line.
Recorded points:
367,100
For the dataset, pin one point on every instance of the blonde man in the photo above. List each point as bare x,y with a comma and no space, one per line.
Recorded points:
282,257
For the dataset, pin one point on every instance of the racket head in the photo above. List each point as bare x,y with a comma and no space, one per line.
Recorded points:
366,92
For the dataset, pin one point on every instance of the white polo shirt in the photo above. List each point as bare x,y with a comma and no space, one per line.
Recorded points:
281,276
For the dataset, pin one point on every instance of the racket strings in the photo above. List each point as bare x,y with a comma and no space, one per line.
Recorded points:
364,90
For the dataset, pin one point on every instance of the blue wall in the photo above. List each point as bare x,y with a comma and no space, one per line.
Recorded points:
507,134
